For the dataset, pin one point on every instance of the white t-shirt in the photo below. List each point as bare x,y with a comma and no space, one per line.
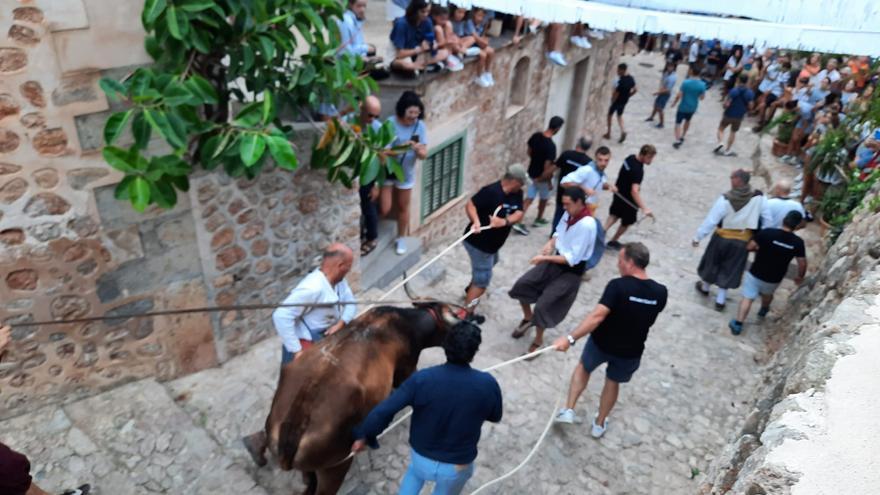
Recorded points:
693,52
775,210
587,177
832,76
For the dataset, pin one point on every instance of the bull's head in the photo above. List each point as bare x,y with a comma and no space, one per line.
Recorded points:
444,318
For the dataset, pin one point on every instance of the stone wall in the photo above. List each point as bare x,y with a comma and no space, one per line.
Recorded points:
69,249
813,426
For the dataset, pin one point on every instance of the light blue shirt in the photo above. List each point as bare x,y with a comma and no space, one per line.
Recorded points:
351,30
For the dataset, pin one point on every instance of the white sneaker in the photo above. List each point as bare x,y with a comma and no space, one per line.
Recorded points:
481,81
557,59
599,35
400,246
597,431
454,64
581,42
472,51
566,416
490,78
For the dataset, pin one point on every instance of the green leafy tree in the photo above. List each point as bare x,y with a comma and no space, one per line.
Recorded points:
265,59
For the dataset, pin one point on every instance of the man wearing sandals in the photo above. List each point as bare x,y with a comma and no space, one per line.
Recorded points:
500,206
552,284
618,328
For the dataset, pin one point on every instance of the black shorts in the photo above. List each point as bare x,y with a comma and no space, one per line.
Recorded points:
626,213
616,107
619,369
682,116
770,98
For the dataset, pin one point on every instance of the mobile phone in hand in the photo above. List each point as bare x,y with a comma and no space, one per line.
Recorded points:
415,138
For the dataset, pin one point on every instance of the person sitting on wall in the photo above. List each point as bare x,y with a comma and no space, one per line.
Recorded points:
351,32
447,39
473,43
412,38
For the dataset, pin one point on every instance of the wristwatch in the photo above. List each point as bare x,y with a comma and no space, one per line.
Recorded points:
571,339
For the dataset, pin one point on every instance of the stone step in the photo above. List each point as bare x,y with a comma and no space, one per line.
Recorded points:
382,267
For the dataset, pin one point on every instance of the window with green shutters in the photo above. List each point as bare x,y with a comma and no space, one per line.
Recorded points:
442,175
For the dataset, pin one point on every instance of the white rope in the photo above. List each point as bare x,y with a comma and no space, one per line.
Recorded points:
528,457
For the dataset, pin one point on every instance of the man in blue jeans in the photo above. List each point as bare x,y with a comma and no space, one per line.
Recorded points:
450,403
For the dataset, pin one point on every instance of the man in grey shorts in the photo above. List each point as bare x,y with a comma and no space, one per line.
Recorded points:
499,205
618,328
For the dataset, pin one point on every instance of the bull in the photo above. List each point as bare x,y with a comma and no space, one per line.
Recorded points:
331,387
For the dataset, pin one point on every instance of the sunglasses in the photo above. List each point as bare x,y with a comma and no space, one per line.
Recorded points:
373,115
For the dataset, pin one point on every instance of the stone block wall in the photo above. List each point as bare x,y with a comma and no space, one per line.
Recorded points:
793,436
69,249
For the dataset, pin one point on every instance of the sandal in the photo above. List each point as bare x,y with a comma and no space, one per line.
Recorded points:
521,330
368,247
532,348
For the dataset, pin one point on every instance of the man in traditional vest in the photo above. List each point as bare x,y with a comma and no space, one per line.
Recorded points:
732,220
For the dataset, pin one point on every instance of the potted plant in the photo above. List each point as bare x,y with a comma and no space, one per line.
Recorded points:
785,124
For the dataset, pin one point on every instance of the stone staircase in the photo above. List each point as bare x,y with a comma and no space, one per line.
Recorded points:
383,266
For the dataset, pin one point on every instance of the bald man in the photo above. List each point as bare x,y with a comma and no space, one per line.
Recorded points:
300,326
371,109
779,205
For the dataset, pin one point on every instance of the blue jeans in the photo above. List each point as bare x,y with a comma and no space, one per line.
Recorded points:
287,356
449,479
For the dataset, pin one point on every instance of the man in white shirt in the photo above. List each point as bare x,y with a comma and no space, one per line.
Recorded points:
776,207
694,52
299,326
830,71
732,220
591,178
552,284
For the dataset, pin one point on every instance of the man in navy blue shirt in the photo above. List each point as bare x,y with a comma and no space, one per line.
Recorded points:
736,105
450,403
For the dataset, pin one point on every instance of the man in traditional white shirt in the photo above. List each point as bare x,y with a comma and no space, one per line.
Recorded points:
732,221
779,205
591,178
299,326
552,284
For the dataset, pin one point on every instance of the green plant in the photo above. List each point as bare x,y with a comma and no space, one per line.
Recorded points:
830,154
840,204
785,122
264,58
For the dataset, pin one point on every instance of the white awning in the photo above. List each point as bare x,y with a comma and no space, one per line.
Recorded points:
747,32
863,15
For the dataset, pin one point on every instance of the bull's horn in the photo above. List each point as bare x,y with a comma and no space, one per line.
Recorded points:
448,316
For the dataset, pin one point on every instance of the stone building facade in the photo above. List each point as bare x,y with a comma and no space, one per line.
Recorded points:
68,249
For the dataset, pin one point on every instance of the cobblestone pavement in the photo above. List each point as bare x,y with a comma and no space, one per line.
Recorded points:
687,398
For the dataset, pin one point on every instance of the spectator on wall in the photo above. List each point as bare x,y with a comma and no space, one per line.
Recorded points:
447,39
409,130
412,38
474,43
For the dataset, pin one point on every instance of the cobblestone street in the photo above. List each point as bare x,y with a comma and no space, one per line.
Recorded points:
688,398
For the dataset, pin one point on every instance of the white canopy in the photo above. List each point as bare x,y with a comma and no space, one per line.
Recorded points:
813,37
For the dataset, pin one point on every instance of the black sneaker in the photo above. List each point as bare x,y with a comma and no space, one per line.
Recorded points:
613,245
81,490
520,229
700,289
719,306
763,311
678,143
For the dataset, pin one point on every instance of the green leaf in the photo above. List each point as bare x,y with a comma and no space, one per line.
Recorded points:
196,5
139,193
247,57
200,41
163,193
113,88
282,152
159,121
121,191
115,125
141,130
178,23
268,107
344,155
171,165
178,94
152,10
371,170
119,159
252,147
249,115
140,81
267,49
202,89
396,169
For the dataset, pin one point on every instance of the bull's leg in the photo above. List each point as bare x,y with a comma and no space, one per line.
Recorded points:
256,446
310,479
330,479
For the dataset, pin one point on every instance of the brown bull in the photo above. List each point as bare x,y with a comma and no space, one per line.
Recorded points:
329,388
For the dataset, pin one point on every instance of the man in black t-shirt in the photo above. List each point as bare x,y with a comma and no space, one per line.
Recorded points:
542,154
568,162
498,205
618,328
629,196
623,89
775,250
